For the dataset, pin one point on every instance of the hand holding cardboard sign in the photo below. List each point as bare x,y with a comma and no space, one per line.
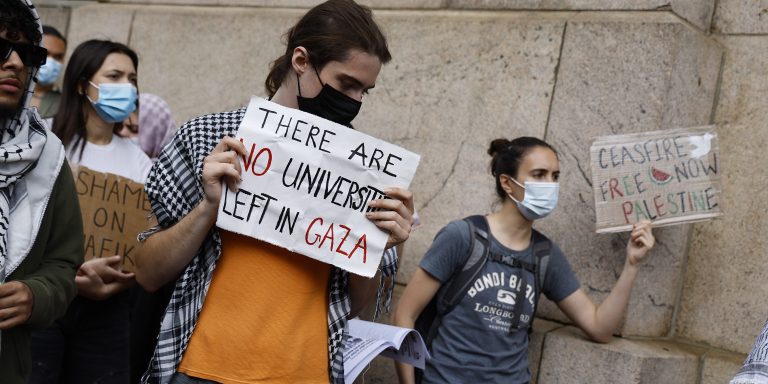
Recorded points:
98,279
222,164
641,241
395,215
16,303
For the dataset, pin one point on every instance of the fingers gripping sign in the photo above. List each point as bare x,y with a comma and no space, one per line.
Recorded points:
222,165
394,215
641,240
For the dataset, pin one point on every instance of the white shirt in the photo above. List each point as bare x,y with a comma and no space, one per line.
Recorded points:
119,157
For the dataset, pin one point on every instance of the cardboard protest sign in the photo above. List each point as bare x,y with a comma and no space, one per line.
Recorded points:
114,210
667,177
307,183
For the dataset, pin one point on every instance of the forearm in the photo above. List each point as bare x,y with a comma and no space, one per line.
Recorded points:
362,291
405,372
165,254
611,311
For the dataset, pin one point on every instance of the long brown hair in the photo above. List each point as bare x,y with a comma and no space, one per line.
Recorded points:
69,122
328,32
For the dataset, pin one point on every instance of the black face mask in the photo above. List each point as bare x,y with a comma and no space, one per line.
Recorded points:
329,104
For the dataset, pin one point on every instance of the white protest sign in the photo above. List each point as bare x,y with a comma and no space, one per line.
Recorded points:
307,183
668,177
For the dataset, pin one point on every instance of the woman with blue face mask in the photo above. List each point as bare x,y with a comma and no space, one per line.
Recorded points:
485,308
90,343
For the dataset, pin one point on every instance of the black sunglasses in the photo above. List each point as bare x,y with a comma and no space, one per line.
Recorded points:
31,55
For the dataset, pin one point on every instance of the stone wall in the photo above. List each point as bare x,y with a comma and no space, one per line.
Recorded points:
467,71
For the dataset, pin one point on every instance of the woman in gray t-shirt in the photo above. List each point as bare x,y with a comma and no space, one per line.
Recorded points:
482,339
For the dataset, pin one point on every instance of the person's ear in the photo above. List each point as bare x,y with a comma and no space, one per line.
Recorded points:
82,87
507,184
300,60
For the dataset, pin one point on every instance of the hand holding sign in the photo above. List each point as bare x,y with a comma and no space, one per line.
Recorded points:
222,164
396,215
641,241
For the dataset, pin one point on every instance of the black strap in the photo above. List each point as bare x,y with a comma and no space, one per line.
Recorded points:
459,283
478,256
542,248
512,262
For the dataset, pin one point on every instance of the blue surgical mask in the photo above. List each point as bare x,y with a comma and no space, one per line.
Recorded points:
539,201
49,72
116,101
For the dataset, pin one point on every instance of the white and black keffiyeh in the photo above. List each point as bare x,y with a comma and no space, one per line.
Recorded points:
174,188
23,140
755,369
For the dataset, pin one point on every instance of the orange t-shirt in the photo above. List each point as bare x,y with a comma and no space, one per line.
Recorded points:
264,319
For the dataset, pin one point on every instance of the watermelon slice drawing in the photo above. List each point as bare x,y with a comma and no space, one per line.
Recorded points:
658,176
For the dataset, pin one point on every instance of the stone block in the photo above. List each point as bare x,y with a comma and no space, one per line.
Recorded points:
719,367
569,358
55,16
698,12
392,4
741,17
207,60
100,22
620,74
726,279
457,81
541,328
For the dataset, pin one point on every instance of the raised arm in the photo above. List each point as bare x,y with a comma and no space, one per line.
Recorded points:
600,321
420,290
165,254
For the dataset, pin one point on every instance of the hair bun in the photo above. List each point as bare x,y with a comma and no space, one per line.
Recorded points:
497,146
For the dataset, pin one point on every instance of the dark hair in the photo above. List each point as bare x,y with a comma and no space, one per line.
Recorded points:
17,18
507,156
83,64
328,32
48,30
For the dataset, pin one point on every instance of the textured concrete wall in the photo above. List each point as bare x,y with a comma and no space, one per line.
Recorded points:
724,295
55,16
631,73
467,71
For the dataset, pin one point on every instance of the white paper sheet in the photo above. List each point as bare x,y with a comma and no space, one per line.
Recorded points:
307,183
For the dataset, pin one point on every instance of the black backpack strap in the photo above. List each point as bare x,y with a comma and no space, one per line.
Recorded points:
519,300
478,256
542,249
459,283
512,262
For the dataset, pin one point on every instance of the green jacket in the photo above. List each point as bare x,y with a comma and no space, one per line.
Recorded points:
49,271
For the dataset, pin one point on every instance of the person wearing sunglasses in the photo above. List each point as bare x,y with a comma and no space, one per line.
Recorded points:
90,343
46,98
41,233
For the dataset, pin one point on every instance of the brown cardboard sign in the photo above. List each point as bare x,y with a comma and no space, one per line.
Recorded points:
115,210
668,177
